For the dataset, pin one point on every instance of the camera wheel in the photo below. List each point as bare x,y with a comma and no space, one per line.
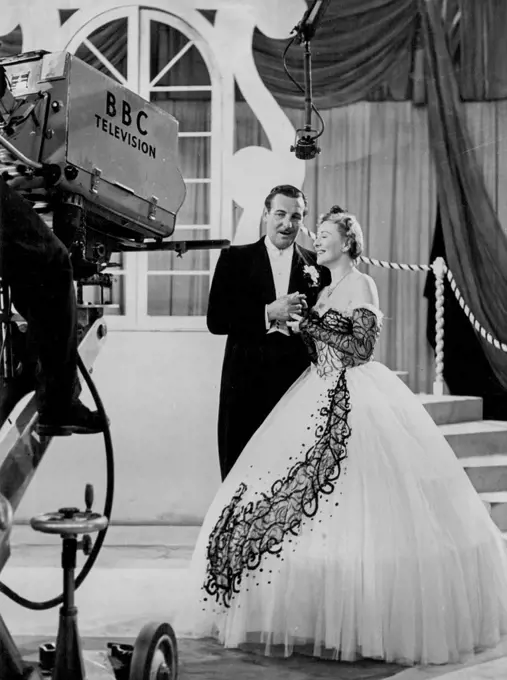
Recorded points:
155,655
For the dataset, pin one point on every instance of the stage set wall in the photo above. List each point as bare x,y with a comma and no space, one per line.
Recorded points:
160,387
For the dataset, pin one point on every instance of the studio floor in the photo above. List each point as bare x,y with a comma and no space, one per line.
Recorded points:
139,577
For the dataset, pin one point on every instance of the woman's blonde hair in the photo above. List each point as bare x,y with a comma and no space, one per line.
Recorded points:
348,227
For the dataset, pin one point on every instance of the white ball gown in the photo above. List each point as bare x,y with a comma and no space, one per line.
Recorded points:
347,527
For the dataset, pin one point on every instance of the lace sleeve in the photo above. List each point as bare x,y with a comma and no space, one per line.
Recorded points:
309,343
354,336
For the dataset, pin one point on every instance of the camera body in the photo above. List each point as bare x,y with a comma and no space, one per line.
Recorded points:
109,149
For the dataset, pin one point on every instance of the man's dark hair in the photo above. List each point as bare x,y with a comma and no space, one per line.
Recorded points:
286,190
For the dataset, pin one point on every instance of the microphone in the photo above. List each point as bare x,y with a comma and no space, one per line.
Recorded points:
305,146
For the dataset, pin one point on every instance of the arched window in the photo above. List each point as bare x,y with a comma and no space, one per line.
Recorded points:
168,62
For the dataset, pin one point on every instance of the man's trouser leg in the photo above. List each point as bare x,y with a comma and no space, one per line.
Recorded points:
37,267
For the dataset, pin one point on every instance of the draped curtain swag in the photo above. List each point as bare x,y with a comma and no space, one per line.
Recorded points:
476,246
370,49
359,46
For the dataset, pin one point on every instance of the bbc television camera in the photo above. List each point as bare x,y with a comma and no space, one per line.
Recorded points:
99,164
96,159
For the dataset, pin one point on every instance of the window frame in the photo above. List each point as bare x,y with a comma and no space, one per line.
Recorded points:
129,270
182,323
135,269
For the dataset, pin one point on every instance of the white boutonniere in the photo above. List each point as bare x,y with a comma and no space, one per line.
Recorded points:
312,273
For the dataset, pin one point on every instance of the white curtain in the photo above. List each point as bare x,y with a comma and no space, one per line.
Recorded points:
375,161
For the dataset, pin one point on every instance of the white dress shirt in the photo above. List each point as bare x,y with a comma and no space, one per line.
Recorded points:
281,263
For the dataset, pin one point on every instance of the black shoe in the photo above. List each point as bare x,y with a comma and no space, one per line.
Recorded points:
78,420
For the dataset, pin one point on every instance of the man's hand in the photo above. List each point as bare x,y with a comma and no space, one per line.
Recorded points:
294,324
25,182
284,307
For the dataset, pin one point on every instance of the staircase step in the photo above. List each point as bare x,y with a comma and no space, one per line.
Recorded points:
487,473
494,497
448,409
477,438
497,501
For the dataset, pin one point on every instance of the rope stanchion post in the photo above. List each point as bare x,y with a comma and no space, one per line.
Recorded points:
439,268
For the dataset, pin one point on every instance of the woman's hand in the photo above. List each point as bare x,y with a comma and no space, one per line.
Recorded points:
294,324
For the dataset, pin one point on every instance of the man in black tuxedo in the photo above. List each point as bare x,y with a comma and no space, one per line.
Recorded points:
255,289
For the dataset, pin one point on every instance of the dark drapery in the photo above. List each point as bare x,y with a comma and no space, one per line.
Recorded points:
482,49
362,47
466,368
370,49
475,245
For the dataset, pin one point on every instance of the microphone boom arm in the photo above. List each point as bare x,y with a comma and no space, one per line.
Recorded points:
308,87
305,146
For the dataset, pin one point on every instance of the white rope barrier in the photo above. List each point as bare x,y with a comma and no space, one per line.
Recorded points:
380,263
470,316
396,265
440,270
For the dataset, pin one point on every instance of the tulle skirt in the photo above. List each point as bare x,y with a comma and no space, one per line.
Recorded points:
399,561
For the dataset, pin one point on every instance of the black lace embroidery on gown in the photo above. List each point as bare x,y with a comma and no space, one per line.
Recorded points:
339,340
244,533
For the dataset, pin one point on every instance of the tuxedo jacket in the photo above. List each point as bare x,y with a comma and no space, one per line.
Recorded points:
258,367
243,285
